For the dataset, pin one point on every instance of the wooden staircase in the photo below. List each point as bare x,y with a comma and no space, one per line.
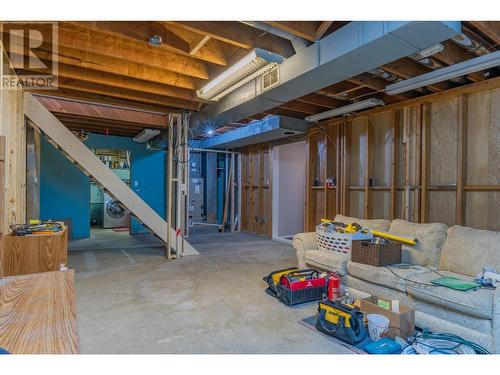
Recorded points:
89,163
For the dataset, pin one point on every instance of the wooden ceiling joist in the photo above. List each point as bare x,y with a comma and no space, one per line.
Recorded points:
322,29
106,44
490,29
142,31
84,60
321,100
92,76
303,29
238,34
100,98
89,110
116,92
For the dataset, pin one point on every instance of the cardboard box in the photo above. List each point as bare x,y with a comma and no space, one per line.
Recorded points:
401,324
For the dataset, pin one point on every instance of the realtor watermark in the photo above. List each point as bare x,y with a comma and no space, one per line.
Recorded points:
32,48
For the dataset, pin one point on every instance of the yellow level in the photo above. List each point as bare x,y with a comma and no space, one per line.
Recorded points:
378,233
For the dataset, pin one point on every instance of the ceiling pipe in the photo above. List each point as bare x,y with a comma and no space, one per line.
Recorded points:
297,42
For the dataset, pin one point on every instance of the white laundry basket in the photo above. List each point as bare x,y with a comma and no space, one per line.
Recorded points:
329,239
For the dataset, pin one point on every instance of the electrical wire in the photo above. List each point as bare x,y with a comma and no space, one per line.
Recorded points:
442,343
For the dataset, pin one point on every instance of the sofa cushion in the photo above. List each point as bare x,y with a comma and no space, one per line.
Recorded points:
327,260
430,240
377,224
393,278
467,250
478,303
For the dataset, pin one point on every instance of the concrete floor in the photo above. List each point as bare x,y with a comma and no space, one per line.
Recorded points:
130,299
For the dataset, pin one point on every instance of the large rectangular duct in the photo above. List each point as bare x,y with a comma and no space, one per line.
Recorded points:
355,48
267,129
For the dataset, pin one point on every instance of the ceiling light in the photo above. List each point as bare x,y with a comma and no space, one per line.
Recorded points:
457,70
255,63
146,135
155,40
354,107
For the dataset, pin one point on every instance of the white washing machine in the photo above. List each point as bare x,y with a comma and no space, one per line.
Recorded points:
114,214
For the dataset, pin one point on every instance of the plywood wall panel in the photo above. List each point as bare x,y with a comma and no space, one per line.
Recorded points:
494,139
357,152
478,134
380,155
444,119
380,205
442,206
357,203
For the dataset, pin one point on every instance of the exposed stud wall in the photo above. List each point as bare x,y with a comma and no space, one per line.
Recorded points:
434,161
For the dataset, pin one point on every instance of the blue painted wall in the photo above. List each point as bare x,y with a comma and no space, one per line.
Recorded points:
65,190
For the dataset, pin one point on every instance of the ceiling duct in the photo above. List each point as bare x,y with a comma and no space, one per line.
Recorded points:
268,129
255,63
355,48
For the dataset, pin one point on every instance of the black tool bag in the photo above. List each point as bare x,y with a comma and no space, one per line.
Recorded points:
342,321
286,285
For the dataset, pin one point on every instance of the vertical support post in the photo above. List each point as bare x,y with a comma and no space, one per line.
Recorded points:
32,173
307,208
426,148
461,158
239,179
406,143
338,168
367,168
178,181
394,165
417,193
229,190
232,191
170,137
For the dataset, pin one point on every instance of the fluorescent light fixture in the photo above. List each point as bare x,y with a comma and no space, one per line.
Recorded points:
146,135
490,60
255,63
354,107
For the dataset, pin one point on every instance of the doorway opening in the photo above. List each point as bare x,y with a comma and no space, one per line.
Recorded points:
106,213
288,181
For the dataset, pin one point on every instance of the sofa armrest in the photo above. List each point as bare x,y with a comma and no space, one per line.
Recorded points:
303,242
496,320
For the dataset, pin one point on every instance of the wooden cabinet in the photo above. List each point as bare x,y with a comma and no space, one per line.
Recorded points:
21,255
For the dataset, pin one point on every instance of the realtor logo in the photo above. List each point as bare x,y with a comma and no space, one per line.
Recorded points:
31,48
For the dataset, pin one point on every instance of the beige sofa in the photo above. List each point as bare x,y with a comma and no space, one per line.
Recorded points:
459,251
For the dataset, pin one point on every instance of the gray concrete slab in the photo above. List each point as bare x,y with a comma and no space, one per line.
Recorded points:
132,300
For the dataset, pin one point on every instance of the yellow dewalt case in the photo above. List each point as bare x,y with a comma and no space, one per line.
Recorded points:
342,321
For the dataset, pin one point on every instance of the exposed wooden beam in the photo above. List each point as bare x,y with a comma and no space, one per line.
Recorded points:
453,54
322,29
78,58
285,112
72,35
104,99
115,92
407,68
302,29
377,84
238,34
140,32
490,29
92,76
194,47
305,108
321,100
102,112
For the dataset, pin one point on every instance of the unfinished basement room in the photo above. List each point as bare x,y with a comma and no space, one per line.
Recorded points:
200,186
